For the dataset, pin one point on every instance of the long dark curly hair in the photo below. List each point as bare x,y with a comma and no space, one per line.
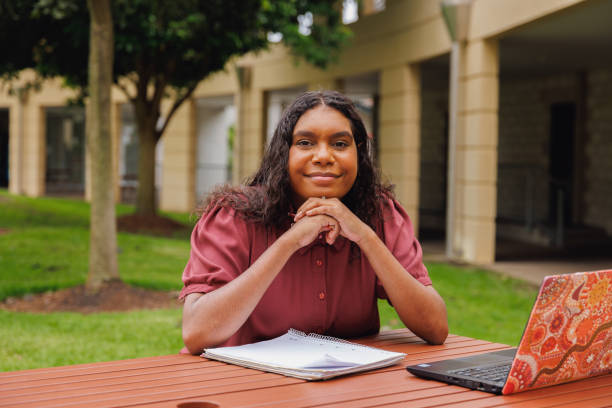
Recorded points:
266,196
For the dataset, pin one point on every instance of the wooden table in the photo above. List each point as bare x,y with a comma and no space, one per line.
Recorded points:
191,382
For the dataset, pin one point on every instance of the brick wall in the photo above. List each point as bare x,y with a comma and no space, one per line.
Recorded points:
598,171
524,139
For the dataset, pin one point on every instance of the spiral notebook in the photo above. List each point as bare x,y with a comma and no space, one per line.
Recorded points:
306,356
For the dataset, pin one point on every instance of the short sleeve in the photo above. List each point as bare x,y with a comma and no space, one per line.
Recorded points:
400,239
220,251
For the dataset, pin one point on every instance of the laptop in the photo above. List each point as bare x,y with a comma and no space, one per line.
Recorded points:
568,337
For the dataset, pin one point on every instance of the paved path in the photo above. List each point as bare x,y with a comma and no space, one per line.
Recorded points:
533,267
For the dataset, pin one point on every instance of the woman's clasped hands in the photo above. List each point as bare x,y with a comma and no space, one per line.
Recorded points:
327,216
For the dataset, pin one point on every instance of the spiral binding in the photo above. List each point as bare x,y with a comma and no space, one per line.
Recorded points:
316,336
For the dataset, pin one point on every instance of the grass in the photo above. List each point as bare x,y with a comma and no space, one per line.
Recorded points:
483,304
42,340
45,247
479,303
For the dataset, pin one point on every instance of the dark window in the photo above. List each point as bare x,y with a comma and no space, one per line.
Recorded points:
4,147
561,170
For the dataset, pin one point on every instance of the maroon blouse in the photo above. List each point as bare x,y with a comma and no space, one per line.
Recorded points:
325,289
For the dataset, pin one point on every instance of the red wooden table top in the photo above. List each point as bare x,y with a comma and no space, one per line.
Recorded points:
192,382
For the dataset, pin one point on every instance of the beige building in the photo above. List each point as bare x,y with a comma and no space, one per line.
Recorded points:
517,110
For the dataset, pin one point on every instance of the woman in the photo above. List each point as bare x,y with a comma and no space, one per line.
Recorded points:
311,242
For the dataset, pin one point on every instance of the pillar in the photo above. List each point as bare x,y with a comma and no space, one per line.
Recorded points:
16,145
177,191
476,152
400,133
32,161
249,142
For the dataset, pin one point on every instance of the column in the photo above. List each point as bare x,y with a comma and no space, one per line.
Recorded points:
16,146
177,191
33,160
400,133
476,152
249,142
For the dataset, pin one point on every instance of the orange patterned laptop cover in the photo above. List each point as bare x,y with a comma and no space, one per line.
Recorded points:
569,333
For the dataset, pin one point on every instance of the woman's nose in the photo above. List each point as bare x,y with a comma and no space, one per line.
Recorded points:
323,154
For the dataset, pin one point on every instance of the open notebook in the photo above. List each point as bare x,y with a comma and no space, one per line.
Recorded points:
310,357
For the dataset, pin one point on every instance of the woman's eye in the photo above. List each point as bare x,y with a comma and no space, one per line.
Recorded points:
340,144
303,142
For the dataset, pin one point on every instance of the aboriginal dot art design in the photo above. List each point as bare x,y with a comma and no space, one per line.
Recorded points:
569,334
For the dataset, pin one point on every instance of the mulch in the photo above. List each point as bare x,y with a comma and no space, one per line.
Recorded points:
113,295
150,225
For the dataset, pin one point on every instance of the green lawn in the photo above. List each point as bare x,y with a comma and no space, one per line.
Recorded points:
45,247
479,303
43,340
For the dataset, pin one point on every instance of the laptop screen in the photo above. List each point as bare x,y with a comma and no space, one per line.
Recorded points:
569,333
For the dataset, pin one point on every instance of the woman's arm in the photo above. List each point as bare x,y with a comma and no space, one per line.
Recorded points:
212,318
419,307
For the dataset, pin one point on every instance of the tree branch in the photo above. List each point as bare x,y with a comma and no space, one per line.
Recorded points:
124,89
177,103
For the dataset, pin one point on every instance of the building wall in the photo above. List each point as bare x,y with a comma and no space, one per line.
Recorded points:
493,17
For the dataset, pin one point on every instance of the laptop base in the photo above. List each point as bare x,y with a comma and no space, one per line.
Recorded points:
446,370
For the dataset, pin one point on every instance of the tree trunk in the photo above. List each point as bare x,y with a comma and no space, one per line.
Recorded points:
103,229
145,198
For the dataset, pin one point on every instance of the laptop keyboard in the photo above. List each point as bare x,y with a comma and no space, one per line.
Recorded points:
497,373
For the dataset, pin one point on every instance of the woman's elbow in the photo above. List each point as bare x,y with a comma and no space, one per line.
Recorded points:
197,338
438,335
194,332
192,340
439,327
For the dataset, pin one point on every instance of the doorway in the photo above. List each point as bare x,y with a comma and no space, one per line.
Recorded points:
216,122
561,167
65,145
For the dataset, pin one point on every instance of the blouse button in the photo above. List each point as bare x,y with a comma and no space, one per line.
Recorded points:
322,296
318,262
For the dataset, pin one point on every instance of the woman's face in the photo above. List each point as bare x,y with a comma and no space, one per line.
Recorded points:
323,155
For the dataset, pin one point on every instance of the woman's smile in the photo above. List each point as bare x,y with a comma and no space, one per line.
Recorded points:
323,178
